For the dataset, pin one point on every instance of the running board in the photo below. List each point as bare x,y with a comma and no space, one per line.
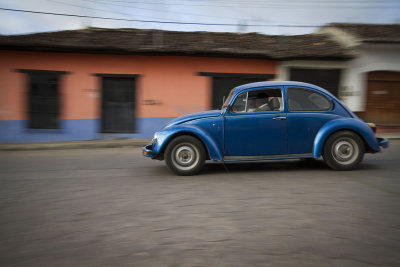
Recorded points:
248,158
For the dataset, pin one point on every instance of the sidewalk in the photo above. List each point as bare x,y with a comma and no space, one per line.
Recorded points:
76,144
386,132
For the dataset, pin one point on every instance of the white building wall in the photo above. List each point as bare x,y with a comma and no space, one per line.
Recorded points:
353,84
371,58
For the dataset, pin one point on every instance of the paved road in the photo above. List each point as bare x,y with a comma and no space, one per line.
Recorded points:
112,207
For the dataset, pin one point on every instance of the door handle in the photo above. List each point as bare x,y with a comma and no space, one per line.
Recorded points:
279,118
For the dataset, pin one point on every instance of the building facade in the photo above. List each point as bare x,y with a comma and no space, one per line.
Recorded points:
58,96
370,82
96,84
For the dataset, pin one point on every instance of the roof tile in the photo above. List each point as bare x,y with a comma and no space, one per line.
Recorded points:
138,41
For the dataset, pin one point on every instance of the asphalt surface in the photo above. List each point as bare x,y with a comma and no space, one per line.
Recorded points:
113,207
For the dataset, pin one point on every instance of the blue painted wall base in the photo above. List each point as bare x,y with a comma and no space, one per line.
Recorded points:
74,130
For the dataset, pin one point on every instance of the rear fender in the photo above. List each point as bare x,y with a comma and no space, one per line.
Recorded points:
352,124
167,134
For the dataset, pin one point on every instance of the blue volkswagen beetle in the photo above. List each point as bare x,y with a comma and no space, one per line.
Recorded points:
267,120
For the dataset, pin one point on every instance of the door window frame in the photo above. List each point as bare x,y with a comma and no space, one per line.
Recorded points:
233,100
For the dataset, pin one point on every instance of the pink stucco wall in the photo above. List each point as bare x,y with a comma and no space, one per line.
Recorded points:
171,81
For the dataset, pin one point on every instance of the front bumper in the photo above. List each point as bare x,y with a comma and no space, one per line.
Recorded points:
383,142
147,151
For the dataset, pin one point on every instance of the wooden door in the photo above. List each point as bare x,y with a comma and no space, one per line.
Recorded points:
383,98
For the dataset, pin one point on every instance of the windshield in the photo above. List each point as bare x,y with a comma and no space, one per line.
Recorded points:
228,99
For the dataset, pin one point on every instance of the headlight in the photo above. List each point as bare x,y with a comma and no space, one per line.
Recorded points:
154,139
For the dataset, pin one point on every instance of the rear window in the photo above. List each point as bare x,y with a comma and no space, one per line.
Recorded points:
300,99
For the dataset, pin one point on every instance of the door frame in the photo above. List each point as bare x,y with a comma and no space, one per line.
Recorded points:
275,114
100,96
378,76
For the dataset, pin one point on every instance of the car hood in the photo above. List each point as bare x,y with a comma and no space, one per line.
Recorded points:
193,116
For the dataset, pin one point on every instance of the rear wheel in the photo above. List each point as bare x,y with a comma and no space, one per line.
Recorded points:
343,150
185,155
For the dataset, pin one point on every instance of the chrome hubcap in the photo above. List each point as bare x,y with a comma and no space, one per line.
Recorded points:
185,157
345,151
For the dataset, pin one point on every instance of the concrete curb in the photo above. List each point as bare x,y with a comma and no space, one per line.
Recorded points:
103,144
75,144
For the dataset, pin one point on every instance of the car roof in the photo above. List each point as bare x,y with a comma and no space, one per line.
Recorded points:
281,83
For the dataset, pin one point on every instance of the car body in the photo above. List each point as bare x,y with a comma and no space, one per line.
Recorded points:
267,120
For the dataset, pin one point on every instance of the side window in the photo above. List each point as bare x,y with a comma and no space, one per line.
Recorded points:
240,103
259,101
300,99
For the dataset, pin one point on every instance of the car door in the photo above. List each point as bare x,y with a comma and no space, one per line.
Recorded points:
255,125
307,111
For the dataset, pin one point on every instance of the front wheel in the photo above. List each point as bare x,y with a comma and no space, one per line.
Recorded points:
185,155
343,150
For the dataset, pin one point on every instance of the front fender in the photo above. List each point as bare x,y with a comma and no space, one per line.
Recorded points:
165,135
352,124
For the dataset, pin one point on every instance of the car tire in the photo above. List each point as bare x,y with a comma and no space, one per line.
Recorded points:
343,150
185,155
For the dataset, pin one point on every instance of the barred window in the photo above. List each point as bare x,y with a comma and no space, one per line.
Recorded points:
43,99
